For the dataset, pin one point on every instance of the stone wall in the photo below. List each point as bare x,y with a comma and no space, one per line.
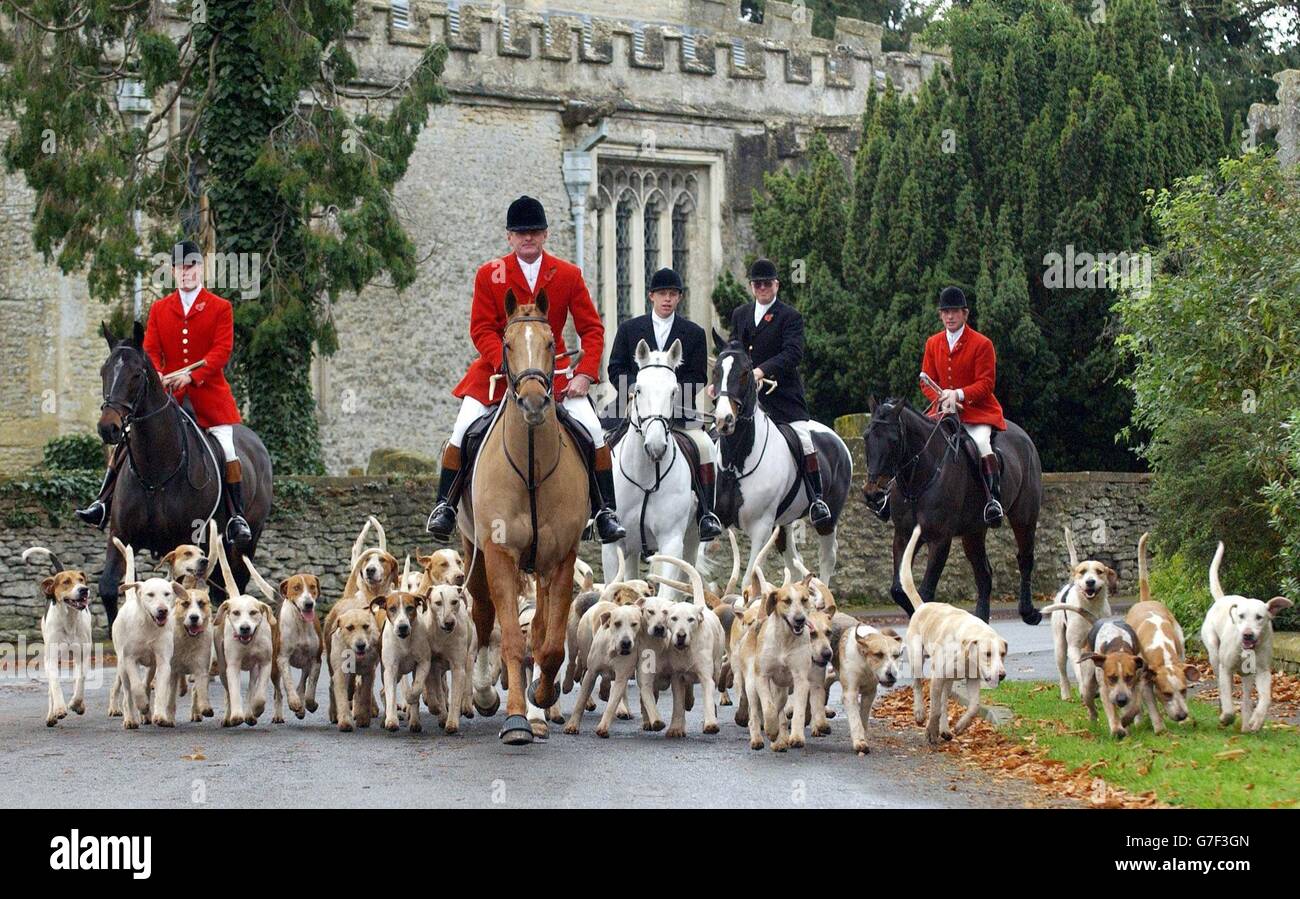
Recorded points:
1107,513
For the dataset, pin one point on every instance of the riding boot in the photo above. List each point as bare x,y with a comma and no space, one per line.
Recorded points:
96,514
608,529
991,479
237,530
818,513
442,520
710,527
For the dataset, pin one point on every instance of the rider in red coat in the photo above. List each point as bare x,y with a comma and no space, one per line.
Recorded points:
963,363
191,325
528,270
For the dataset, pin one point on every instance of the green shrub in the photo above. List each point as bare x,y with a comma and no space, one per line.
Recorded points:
73,452
1283,497
728,295
1184,586
1206,489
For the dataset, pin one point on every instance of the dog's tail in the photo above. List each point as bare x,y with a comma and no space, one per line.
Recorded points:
734,580
761,557
1144,584
55,565
1066,607
1216,589
697,582
360,542
1069,544
905,569
129,555
227,576
583,577
379,529
262,585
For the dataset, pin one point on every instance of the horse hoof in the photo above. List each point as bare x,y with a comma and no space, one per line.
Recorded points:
487,710
547,701
516,731
1032,617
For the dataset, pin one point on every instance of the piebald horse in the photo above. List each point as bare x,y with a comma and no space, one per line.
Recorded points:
758,471
525,510
652,479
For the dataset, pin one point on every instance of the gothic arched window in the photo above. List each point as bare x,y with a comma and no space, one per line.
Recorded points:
623,257
651,222
681,249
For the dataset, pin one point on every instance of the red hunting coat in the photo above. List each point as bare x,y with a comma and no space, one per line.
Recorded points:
972,367
565,292
173,340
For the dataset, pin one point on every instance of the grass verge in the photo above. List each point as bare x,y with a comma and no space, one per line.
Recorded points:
1195,763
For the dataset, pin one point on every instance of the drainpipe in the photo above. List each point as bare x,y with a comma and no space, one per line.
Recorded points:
579,172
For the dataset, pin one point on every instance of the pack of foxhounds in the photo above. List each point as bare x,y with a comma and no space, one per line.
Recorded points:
401,634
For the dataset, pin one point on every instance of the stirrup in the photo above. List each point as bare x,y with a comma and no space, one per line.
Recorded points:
608,528
993,513
95,515
237,530
819,512
710,527
441,522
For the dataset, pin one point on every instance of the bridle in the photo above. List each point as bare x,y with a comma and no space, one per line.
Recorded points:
515,379
126,413
126,409
639,423
905,488
745,410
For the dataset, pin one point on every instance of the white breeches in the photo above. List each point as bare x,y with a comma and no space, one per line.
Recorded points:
225,435
805,436
983,437
579,407
702,443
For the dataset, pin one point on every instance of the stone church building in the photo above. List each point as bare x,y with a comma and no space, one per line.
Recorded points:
643,126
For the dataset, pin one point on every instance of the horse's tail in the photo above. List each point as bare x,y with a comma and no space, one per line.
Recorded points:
1216,589
1144,584
1069,543
905,569
697,582
55,565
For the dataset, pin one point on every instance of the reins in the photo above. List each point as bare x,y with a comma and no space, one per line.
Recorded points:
905,488
637,423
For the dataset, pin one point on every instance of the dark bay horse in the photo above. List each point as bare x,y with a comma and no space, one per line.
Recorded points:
924,466
171,481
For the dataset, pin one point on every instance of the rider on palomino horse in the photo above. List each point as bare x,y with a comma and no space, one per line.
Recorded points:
963,363
772,333
659,328
528,269
191,325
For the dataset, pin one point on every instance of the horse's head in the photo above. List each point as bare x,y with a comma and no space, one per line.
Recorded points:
127,377
653,399
733,384
884,446
528,356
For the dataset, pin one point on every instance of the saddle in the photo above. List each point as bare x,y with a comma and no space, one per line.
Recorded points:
972,452
478,430
685,445
800,482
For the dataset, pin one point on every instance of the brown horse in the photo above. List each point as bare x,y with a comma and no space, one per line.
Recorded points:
524,510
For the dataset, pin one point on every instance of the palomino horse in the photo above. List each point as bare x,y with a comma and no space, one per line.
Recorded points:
170,484
758,471
652,480
525,510
930,480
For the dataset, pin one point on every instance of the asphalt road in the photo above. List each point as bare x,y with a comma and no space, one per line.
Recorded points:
90,761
